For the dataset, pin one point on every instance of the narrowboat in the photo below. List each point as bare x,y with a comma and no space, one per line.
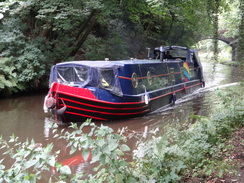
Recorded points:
111,90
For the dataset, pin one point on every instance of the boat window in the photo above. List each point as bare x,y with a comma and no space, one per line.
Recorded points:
109,81
65,74
72,74
155,55
191,58
81,73
107,78
173,54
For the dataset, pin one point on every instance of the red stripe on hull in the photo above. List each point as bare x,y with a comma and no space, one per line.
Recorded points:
86,116
175,91
153,76
108,113
194,85
103,107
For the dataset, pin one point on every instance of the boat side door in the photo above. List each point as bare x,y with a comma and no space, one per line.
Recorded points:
192,65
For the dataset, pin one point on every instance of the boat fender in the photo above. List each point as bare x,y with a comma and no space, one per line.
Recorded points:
45,109
50,102
61,111
184,88
173,98
203,84
147,98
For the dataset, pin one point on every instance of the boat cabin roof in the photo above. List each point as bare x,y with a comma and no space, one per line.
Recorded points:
104,64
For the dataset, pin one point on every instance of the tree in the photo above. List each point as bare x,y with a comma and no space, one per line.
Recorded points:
35,34
216,5
240,52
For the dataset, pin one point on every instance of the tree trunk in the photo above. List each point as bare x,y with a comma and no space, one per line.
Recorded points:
83,33
234,47
240,52
216,30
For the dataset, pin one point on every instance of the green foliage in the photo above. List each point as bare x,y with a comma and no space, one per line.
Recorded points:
196,149
8,74
101,143
31,159
241,36
105,147
36,34
229,20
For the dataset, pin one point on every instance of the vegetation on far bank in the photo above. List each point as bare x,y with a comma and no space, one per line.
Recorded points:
35,34
184,152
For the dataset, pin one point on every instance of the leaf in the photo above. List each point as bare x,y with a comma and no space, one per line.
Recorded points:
97,168
52,161
30,179
119,152
123,163
103,159
73,150
85,154
2,167
131,180
125,148
119,178
31,163
1,175
113,144
65,170
101,143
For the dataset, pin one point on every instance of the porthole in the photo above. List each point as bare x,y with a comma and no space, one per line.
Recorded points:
149,78
134,80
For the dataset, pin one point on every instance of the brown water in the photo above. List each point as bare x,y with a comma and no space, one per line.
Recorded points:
25,118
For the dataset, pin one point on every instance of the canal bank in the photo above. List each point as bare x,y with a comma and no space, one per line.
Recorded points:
235,157
227,165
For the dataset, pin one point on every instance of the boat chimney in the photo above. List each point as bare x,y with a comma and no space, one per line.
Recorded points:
148,52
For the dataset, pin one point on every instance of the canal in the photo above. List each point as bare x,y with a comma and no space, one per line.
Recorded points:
24,117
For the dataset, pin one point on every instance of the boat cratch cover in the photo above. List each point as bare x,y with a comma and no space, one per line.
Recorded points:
95,74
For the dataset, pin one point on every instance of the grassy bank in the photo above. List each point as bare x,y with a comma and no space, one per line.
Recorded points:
192,153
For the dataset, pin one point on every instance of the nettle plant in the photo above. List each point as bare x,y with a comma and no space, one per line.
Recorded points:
101,144
30,160
104,146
